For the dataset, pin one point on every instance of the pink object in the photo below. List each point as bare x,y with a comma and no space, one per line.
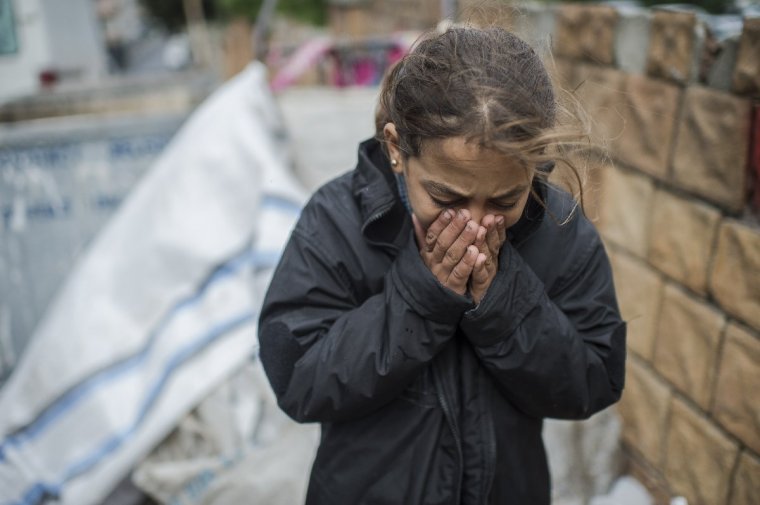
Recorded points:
305,57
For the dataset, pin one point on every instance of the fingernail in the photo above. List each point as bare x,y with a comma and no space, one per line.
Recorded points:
470,225
461,215
500,220
447,215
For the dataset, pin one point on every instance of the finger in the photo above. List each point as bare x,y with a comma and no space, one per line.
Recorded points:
435,229
501,225
480,239
449,235
419,232
480,279
460,274
479,271
493,241
459,247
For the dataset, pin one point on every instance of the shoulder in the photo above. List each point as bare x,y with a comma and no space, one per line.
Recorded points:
331,212
565,242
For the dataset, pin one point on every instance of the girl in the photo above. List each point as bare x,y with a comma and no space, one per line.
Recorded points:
435,304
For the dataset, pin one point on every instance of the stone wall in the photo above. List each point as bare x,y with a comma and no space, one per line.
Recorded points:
674,107
367,18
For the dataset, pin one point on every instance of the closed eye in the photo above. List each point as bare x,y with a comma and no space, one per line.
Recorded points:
503,206
446,204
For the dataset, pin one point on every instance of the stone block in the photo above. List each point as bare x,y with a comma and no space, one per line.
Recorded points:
754,162
747,68
535,25
632,39
639,292
650,115
688,334
652,479
601,93
735,277
586,32
699,457
675,43
564,73
644,409
711,146
624,209
746,488
681,239
736,406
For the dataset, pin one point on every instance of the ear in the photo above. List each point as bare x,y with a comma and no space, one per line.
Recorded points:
391,142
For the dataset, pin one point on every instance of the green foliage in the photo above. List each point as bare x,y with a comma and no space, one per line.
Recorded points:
711,6
309,11
171,15
248,9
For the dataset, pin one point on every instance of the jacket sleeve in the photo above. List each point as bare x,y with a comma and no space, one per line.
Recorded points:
330,356
561,356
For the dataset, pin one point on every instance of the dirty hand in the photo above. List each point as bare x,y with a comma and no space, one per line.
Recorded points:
448,248
487,263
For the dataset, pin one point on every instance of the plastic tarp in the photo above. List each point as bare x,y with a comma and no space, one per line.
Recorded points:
160,311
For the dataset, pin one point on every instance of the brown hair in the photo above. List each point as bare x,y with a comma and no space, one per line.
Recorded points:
485,84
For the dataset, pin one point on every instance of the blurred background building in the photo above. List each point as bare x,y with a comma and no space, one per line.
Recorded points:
91,91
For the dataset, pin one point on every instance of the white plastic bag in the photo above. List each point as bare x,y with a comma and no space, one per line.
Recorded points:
159,311
236,447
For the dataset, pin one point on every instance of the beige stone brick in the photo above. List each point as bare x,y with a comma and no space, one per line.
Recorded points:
736,403
735,278
649,476
639,292
625,208
644,410
688,335
672,44
600,92
747,68
746,487
681,238
711,146
586,32
650,115
699,457
564,72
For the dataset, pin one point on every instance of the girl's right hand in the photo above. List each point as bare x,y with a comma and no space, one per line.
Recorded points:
447,247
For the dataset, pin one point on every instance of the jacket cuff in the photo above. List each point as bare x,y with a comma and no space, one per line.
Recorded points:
422,291
513,294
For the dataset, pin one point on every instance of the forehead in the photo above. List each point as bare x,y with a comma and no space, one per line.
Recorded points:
469,168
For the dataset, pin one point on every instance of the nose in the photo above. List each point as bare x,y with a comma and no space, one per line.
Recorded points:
477,213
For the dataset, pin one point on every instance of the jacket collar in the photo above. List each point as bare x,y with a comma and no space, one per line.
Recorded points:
384,218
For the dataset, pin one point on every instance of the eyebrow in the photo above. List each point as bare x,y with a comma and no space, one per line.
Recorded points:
442,189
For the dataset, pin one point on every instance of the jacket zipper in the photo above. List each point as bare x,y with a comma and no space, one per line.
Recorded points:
377,215
449,415
491,447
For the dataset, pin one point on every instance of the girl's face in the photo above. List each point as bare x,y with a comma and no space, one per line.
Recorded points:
453,174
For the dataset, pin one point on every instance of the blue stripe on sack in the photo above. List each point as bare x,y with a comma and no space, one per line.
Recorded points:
281,203
66,401
40,490
74,395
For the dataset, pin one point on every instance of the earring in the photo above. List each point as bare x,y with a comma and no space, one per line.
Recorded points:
394,163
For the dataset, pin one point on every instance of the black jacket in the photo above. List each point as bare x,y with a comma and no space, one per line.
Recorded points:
424,398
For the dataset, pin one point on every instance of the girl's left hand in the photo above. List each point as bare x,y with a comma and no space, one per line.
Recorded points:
487,263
